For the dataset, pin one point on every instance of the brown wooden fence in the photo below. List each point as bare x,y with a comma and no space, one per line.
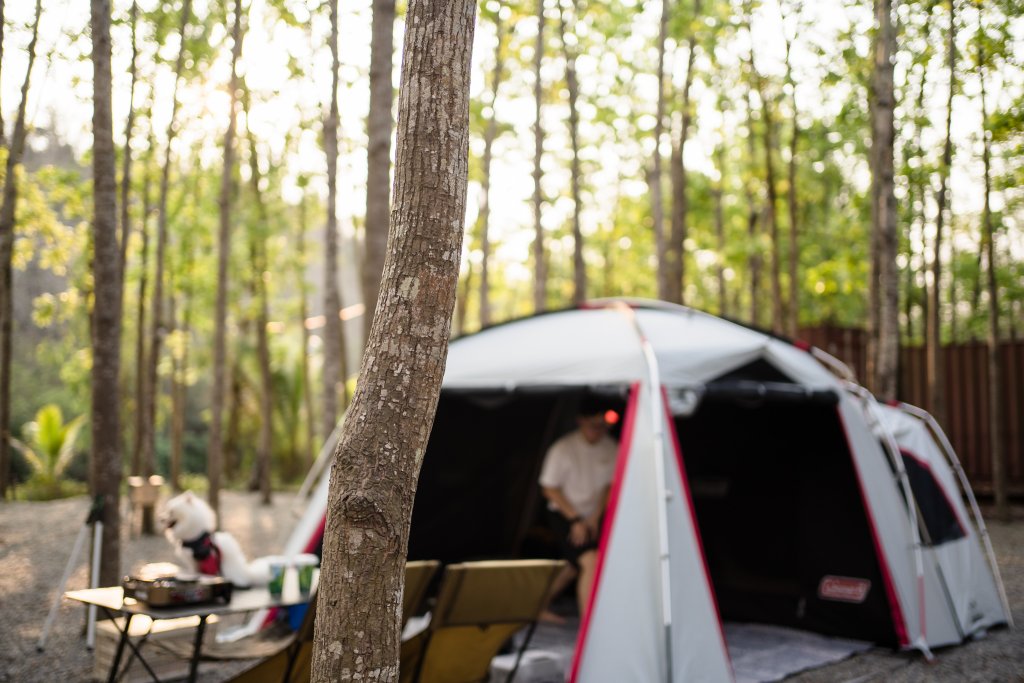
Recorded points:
967,398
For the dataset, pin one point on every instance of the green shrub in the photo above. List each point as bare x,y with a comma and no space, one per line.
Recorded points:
49,448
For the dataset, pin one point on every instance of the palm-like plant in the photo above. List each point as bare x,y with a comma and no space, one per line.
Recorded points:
49,446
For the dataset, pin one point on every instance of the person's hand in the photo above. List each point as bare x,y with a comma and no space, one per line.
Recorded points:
579,533
593,527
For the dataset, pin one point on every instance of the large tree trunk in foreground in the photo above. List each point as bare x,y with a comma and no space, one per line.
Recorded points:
106,269
936,373
378,458
7,212
215,445
332,347
378,157
885,278
540,267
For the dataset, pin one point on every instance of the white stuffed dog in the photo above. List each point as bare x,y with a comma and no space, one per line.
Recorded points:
189,524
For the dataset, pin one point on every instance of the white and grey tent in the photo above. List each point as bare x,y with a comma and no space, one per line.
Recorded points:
753,485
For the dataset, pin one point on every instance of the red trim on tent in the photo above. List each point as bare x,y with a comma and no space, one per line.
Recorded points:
625,447
938,484
684,482
899,625
802,345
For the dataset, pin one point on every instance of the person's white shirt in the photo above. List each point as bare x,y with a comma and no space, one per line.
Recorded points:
580,470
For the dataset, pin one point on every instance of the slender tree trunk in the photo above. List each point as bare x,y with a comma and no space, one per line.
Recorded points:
261,273
179,390
307,390
3,143
462,302
107,288
233,435
333,350
141,372
7,213
676,246
215,445
951,297
378,180
719,191
490,134
753,213
378,458
885,279
657,202
540,274
579,267
129,128
158,328
995,370
936,374
917,197
793,300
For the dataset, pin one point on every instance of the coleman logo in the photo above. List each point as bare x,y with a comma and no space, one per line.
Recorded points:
843,589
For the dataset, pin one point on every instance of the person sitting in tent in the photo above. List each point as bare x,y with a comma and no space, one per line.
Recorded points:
575,480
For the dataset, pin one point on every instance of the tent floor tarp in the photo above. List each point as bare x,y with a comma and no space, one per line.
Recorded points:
760,653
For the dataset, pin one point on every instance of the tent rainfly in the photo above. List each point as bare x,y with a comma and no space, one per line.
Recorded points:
754,483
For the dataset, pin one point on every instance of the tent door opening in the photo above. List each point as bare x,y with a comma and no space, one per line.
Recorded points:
784,530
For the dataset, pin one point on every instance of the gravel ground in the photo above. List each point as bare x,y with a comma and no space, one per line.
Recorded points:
36,539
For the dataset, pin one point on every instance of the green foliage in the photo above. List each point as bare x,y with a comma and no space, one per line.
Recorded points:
48,448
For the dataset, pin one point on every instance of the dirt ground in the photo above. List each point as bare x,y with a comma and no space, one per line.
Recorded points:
36,540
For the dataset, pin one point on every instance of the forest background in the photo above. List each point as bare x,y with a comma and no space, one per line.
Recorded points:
740,182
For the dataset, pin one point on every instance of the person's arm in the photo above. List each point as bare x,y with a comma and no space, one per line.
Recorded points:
579,530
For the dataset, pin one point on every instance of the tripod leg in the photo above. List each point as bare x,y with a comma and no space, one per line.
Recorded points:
97,551
72,562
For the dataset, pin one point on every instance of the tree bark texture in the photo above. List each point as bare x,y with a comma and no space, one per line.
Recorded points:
105,463
676,246
883,134
7,213
657,202
579,266
215,445
540,266
377,460
333,350
1000,485
378,178
490,134
934,364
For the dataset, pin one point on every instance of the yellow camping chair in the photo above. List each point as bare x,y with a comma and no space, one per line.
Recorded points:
480,606
292,663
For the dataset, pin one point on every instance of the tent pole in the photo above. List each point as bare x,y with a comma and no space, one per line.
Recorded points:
954,462
901,474
658,424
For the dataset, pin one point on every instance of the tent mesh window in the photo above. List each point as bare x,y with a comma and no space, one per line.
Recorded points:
940,519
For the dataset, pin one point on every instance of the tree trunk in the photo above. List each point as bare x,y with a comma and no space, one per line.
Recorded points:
540,272
936,373
179,392
753,213
723,302
378,458
7,213
129,128
886,278
261,273
141,372
793,300
333,350
312,446
995,371
490,134
107,289
3,143
158,326
579,267
378,172
657,202
676,247
215,445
